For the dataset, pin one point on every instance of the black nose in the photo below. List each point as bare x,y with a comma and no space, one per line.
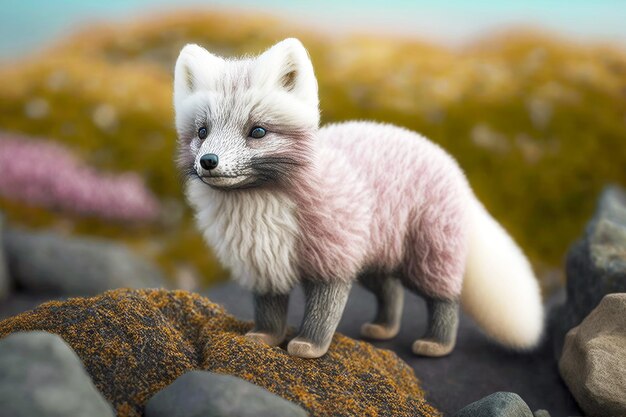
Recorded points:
209,161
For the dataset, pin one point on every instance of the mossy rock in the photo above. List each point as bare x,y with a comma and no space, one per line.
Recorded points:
134,343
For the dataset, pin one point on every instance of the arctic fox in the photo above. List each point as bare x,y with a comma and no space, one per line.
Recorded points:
282,201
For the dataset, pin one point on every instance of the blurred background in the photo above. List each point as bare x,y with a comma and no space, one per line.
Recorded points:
530,97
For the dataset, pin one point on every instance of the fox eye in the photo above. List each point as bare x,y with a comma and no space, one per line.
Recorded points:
257,132
203,133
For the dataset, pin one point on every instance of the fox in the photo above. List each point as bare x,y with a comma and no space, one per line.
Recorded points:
284,202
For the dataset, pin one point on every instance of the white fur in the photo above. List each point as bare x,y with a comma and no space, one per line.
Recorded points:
285,57
212,78
296,106
500,290
225,95
203,67
253,233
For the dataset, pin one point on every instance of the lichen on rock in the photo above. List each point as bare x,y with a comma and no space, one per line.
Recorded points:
134,343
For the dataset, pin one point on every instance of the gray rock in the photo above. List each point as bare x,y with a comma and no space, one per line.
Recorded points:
45,262
596,265
40,375
4,273
541,413
207,394
594,359
498,404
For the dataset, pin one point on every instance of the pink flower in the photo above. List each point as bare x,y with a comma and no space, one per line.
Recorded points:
46,174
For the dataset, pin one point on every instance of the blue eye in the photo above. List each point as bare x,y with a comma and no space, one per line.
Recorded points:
257,132
203,133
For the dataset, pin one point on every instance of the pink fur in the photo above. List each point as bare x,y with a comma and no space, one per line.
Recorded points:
334,212
382,199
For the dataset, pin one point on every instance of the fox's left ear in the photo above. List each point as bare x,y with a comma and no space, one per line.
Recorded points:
287,65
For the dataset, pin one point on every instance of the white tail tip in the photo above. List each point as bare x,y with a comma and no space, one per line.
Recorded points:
500,290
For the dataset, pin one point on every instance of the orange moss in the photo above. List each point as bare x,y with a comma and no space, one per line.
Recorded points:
136,342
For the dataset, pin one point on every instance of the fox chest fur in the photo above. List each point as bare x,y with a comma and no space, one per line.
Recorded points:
272,239
254,233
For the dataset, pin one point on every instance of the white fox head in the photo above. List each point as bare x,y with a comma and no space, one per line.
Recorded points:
246,122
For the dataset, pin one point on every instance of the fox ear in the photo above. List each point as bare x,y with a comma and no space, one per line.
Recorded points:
196,69
287,65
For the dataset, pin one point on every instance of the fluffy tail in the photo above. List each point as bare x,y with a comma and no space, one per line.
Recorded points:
500,290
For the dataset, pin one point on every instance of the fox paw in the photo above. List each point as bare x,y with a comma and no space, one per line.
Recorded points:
266,338
426,347
305,349
379,331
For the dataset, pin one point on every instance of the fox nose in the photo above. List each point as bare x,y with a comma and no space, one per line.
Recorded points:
209,161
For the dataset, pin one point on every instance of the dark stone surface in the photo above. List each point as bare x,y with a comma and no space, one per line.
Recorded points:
498,404
207,394
593,362
475,369
51,264
17,303
596,265
40,375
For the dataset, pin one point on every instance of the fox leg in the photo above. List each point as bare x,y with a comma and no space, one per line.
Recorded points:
270,318
443,323
390,300
324,305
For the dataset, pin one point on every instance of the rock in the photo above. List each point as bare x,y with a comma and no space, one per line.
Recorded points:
594,359
202,393
45,262
4,273
541,413
41,376
596,265
498,404
134,343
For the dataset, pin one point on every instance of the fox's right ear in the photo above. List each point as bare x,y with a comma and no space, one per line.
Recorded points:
196,69
288,67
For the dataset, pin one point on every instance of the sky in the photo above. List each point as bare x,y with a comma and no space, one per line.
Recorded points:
27,25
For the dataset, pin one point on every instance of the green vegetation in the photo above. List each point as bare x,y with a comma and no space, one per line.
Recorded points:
539,124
